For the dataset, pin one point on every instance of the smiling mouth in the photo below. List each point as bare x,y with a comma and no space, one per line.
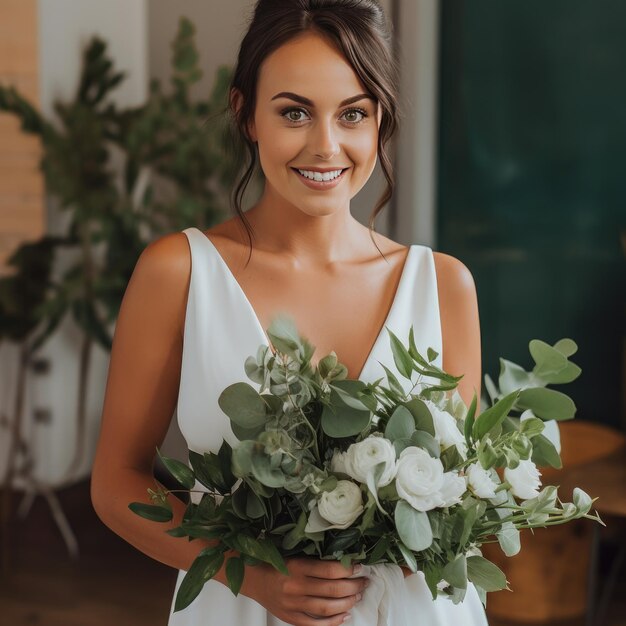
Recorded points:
342,170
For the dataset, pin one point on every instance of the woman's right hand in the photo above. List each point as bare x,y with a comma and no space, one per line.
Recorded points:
316,592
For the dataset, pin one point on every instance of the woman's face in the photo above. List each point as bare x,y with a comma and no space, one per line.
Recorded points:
313,114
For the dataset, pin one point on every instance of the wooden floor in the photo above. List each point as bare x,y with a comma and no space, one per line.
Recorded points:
111,583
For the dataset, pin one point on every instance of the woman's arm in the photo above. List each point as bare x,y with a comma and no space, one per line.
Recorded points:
140,398
460,325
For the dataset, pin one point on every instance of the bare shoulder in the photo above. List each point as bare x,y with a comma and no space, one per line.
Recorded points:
160,280
452,274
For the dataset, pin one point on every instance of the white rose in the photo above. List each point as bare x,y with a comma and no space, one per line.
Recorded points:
524,480
453,487
337,508
447,432
480,481
419,479
362,457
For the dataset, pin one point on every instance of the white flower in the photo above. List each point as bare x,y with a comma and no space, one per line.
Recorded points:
447,432
453,487
480,481
422,482
524,480
362,457
338,462
337,508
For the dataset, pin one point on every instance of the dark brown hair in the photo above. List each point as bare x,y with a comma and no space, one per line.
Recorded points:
357,28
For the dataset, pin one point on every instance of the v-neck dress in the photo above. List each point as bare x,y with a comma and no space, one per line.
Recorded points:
221,331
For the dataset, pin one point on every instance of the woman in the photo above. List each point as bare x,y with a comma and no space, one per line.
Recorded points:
313,96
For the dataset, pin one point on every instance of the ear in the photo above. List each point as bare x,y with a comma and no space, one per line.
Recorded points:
236,102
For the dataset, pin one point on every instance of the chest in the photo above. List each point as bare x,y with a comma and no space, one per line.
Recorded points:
342,309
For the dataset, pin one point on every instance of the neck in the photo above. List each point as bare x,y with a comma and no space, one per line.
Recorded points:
309,240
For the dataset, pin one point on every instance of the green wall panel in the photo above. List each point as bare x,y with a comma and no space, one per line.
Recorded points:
532,180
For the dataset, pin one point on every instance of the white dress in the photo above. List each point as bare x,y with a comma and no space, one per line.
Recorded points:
220,321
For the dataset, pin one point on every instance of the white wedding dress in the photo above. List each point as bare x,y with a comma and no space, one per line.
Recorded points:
221,331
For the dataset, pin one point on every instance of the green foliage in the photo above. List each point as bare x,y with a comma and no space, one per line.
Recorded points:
298,430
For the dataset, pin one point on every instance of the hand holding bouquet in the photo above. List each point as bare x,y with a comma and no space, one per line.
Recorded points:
364,472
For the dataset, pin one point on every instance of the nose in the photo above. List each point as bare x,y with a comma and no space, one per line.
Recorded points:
324,140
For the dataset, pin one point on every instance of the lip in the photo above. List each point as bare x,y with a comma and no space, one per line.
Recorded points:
322,184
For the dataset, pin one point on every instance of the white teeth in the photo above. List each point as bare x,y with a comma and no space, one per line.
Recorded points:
319,176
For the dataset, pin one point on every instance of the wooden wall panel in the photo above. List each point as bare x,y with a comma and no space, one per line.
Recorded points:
22,208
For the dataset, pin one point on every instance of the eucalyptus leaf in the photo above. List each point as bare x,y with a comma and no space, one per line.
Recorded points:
341,421
547,403
400,425
243,405
422,415
413,526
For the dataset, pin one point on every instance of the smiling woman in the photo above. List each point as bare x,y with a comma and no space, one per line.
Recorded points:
313,96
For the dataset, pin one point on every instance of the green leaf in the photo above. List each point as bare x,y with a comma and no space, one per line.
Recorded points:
455,572
493,416
400,425
413,526
263,549
421,414
548,360
401,357
509,539
409,557
424,440
431,354
284,336
566,346
548,404
235,570
485,574
202,569
582,501
347,391
544,453
339,420
413,350
243,405
394,383
469,421
263,472
179,471
153,512
225,458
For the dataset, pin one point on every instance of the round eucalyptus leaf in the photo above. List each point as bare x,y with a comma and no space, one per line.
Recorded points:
548,404
243,405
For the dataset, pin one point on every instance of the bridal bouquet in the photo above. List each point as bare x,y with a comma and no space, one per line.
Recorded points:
370,473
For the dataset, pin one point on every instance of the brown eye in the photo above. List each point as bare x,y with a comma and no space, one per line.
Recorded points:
355,116
293,115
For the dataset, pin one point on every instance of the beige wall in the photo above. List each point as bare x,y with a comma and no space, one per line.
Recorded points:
21,184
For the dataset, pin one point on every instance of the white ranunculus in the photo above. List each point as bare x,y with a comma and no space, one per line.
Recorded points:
362,457
480,481
338,508
452,488
419,479
338,462
447,432
524,480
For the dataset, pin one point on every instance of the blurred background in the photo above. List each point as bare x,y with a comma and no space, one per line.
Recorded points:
510,154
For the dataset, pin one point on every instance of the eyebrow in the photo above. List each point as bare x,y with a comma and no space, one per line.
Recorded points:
307,102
